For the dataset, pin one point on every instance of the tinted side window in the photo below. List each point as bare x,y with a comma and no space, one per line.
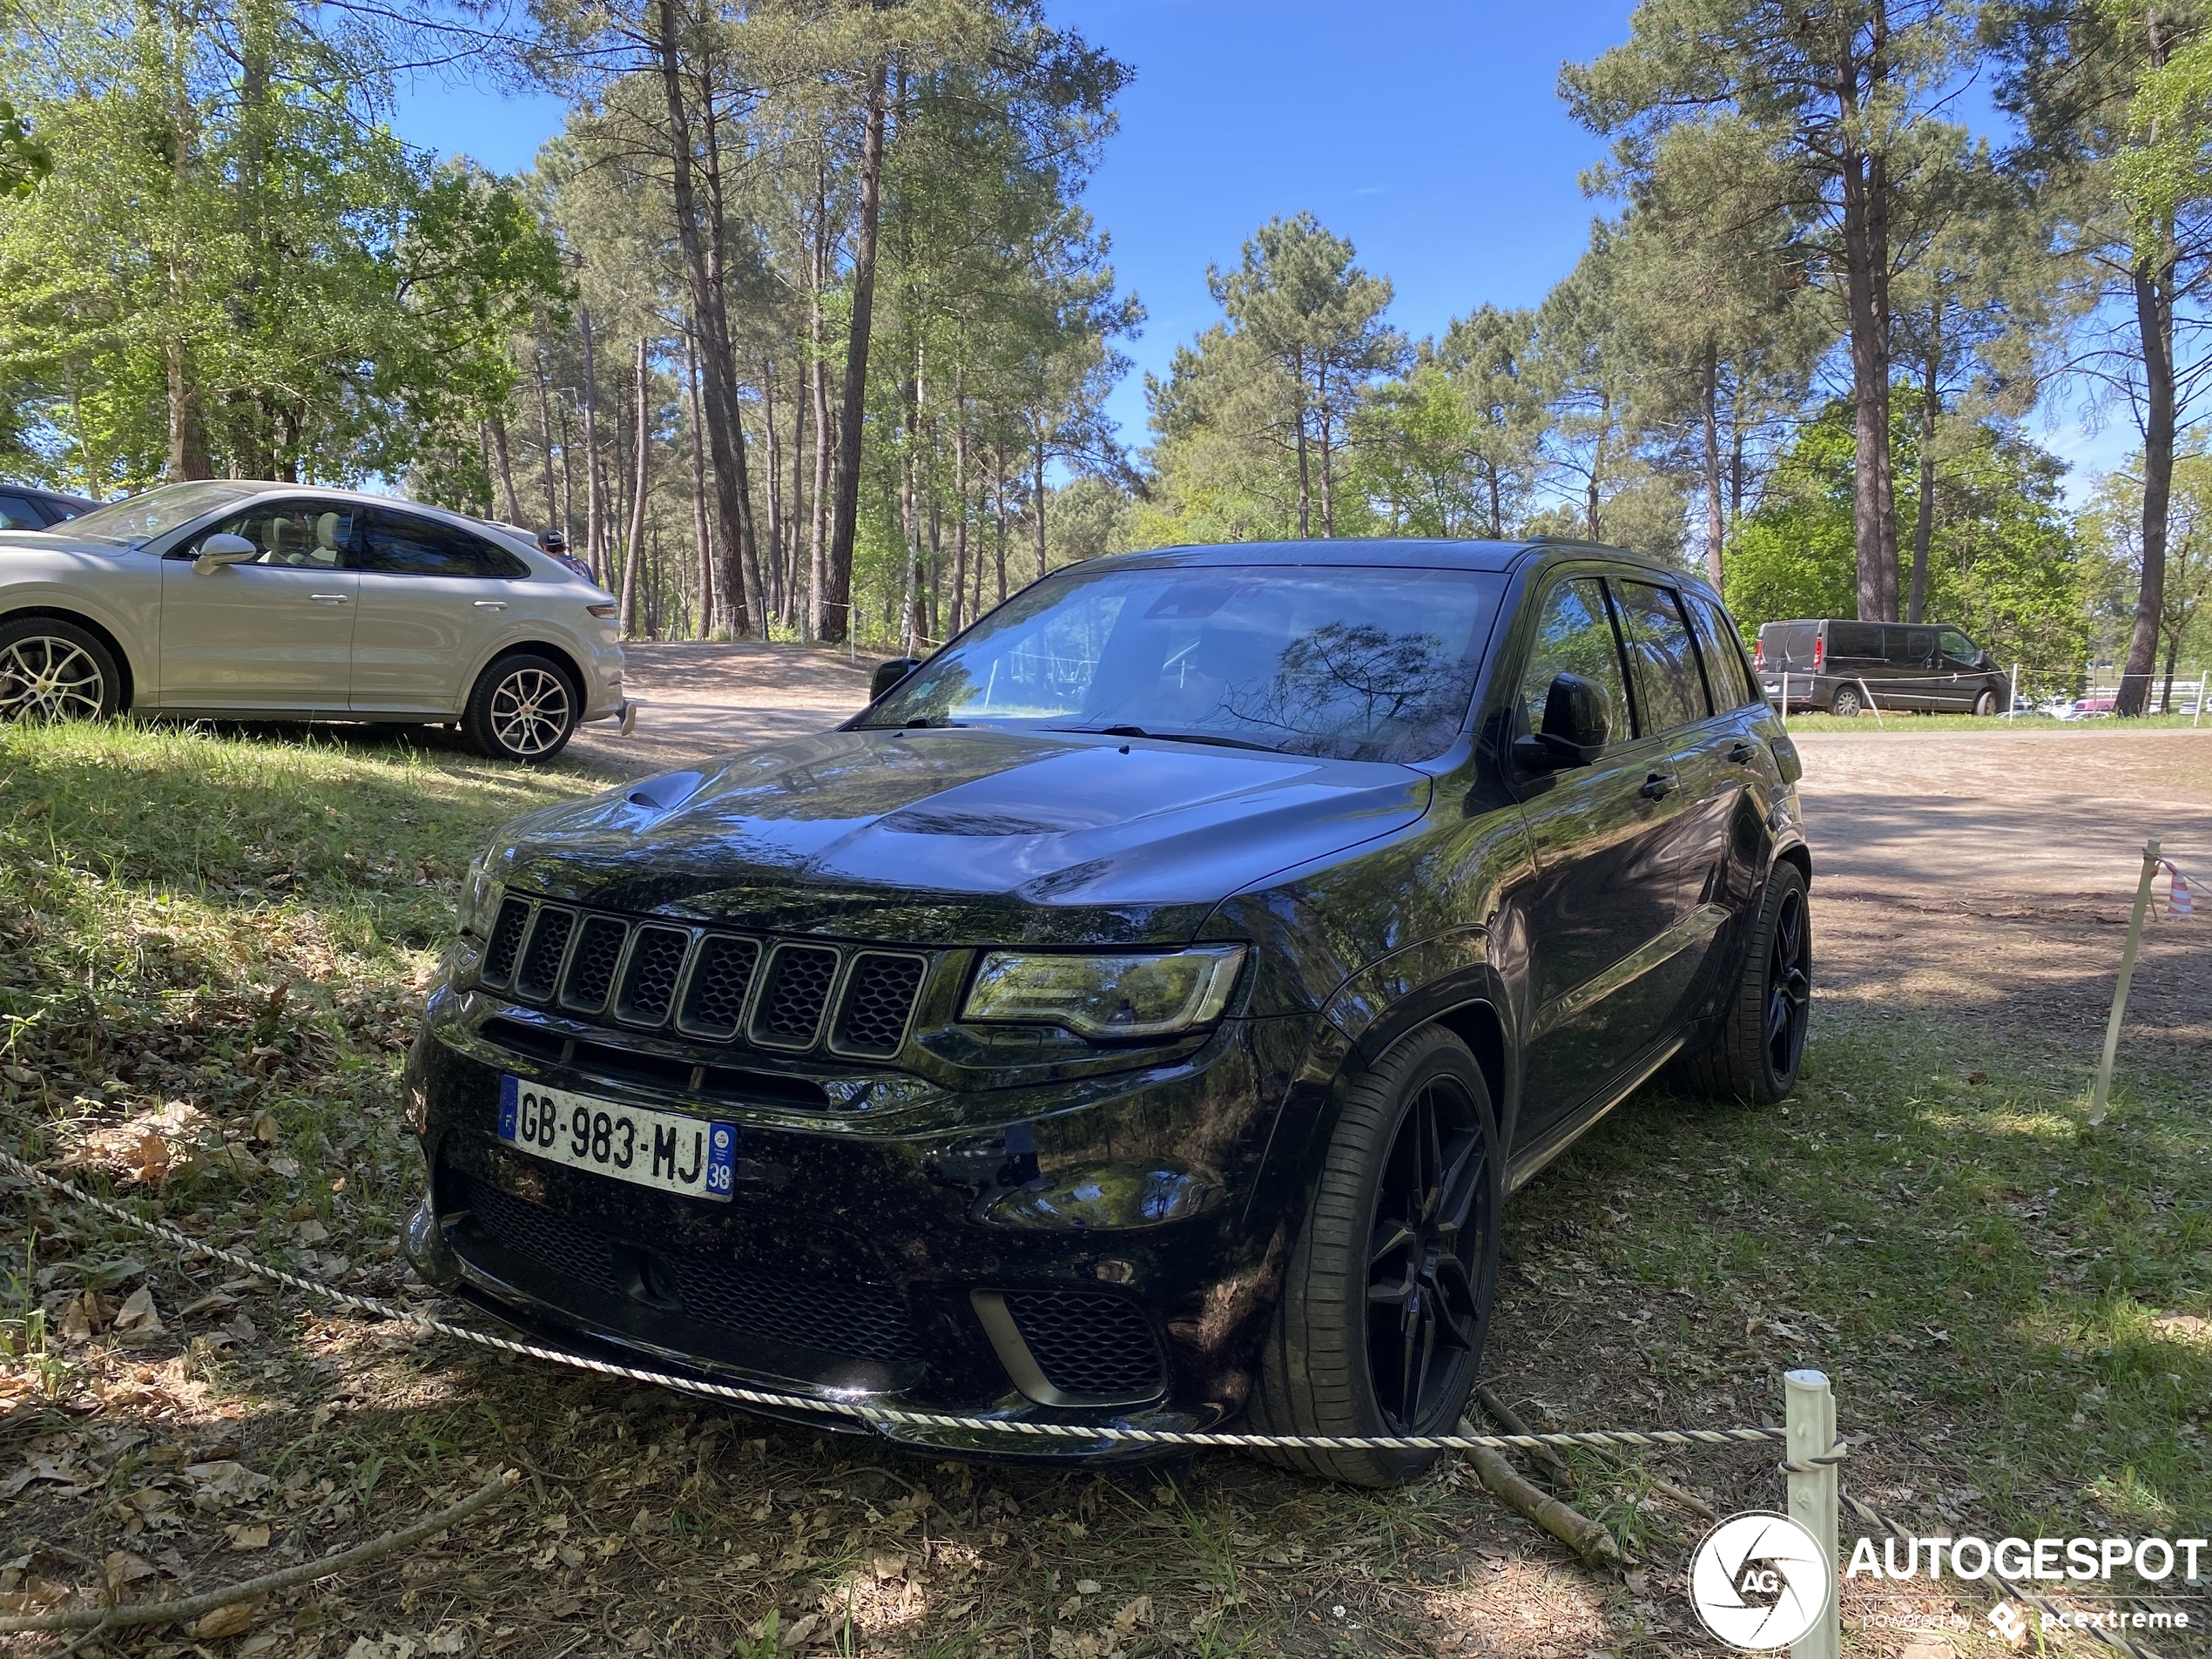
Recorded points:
396,546
1671,692
1957,647
17,513
1859,639
1574,636
314,533
1909,647
1727,674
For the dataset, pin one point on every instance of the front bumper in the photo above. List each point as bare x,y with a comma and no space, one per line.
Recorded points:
1083,1252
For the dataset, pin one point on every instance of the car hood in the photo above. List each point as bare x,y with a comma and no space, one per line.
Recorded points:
55,540
960,836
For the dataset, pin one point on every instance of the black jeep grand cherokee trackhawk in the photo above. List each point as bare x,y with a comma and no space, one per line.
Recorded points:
1140,1011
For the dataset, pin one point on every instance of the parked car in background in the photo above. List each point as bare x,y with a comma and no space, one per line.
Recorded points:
272,600
1140,1011
25,508
1841,666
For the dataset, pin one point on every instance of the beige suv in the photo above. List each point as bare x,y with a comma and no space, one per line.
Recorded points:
231,598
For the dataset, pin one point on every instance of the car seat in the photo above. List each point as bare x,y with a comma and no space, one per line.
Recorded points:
276,542
326,548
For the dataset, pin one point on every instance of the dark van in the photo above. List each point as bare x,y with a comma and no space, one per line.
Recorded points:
1843,667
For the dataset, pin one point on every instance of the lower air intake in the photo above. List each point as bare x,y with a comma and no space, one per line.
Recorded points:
1088,1345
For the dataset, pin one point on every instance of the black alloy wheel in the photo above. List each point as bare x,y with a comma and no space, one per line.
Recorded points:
1386,1297
1424,1327
52,670
1756,1053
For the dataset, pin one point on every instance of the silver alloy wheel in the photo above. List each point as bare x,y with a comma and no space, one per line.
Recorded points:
530,711
46,677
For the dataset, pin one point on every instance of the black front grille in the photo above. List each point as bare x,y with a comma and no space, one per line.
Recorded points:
649,983
1089,1346
506,940
714,1001
719,987
872,1020
851,1322
542,956
592,964
790,1012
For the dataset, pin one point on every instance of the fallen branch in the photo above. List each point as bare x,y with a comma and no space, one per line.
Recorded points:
1572,1527
1555,1467
110,1618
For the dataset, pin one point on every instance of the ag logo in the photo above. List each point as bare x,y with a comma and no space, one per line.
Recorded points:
1760,1580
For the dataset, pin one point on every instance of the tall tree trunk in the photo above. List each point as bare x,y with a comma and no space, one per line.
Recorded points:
1924,510
914,625
959,494
2152,278
188,455
594,500
553,513
635,554
796,604
837,599
1304,472
817,388
1494,477
1865,204
702,275
771,604
1036,495
1328,444
1709,407
998,492
698,490
498,424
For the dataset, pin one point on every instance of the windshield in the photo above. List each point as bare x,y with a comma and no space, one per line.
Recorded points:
137,520
1352,664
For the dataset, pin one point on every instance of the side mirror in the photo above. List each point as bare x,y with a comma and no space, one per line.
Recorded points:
887,675
1575,728
220,549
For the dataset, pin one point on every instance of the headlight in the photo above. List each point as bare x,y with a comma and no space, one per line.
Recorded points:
1147,995
478,891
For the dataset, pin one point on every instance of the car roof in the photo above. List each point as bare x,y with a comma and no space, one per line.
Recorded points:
1416,553
36,493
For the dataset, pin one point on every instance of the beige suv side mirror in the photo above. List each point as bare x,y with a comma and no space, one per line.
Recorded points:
220,549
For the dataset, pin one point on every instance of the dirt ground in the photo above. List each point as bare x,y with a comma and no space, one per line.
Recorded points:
1979,879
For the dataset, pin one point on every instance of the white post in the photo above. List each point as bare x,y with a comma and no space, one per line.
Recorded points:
2203,680
1868,692
2103,1090
1809,1418
1785,699
2013,694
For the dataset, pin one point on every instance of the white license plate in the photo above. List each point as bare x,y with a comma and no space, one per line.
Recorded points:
666,1150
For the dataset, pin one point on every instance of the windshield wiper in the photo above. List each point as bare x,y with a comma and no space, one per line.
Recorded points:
1170,737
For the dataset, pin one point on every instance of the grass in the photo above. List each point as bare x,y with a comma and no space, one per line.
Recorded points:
211,948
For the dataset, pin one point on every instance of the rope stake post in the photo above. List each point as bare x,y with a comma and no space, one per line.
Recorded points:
2013,694
2103,1090
1809,1418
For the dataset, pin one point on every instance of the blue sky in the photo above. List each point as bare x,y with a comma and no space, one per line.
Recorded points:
1429,133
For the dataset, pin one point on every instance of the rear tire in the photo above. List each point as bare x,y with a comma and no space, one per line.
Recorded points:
53,670
525,708
1847,704
1757,1054
1387,1301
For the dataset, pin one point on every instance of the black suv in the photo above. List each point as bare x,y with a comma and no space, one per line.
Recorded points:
1844,667
1141,1012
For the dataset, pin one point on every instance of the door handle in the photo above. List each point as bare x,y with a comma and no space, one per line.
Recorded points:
491,604
328,598
1659,786
1740,752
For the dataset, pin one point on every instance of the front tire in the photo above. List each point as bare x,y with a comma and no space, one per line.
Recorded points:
1757,1054
52,670
1387,1301
525,708
1847,704
1986,704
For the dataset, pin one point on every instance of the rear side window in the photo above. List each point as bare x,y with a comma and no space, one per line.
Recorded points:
1859,639
394,545
1728,676
1670,691
1574,636
17,513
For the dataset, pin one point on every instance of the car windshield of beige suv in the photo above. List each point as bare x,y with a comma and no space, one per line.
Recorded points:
137,520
